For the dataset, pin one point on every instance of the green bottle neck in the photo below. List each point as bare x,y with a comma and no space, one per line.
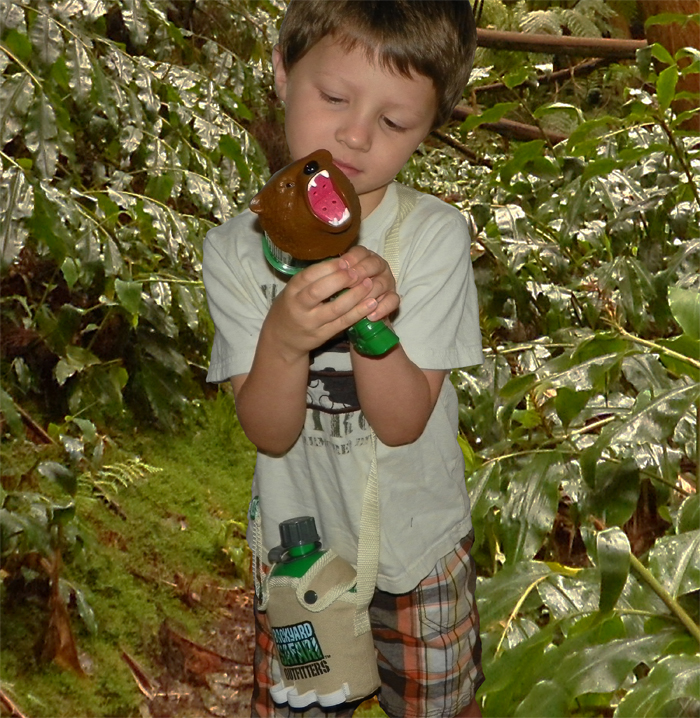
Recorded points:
304,550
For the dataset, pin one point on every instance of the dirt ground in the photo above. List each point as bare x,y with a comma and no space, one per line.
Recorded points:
196,680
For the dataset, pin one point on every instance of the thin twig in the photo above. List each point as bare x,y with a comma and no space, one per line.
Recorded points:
461,147
27,419
10,705
583,68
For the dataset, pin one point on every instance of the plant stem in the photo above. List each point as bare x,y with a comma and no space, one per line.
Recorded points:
684,164
657,347
517,608
697,445
666,597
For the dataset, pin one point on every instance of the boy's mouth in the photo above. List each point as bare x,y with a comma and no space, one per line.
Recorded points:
325,202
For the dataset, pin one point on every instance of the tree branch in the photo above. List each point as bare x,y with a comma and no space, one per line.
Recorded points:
461,147
547,78
560,44
510,128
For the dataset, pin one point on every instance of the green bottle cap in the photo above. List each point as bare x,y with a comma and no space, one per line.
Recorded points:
372,338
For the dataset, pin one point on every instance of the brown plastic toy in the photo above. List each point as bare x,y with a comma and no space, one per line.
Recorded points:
309,209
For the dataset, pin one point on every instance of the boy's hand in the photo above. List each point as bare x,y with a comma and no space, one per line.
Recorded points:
302,318
364,264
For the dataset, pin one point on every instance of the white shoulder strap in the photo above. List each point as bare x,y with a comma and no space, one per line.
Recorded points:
408,198
369,539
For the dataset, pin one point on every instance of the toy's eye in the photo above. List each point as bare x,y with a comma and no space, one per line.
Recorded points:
311,168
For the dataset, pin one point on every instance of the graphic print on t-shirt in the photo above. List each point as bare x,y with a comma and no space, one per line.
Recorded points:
330,390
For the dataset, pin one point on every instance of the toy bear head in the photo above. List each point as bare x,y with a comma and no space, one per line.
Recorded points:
309,209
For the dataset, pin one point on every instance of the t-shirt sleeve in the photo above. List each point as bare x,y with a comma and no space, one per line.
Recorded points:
236,305
438,319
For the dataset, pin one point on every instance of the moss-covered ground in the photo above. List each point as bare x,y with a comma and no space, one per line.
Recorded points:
164,559
168,547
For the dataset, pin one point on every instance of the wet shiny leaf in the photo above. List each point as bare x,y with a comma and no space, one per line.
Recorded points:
675,561
613,556
530,506
41,135
672,678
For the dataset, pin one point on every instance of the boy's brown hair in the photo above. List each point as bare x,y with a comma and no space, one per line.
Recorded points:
435,38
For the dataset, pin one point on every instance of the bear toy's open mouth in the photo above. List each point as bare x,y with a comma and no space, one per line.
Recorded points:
325,202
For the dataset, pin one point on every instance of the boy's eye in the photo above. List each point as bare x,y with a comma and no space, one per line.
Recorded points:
331,99
393,126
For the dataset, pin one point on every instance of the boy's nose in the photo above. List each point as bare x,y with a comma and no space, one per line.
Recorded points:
355,134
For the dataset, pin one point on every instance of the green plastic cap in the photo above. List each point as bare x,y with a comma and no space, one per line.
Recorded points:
372,338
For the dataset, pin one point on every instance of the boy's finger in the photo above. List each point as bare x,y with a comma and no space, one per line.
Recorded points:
386,306
353,304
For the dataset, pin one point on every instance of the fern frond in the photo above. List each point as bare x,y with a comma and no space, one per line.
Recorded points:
593,8
580,25
122,474
495,13
541,22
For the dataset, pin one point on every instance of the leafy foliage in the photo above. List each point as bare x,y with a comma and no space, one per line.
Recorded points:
581,429
124,138
128,129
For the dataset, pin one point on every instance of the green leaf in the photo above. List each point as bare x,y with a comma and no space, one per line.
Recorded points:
86,427
605,667
498,596
100,385
19,45
517,76
75,361
9,411
599,168
675,561
688,517
666,87
533,495
129,294
85,610
614,489
63,515
556,107
661,53
48,228
493,114
546,700
668,18
613,553
483,487
517,387
672,678
685,307
62,475
512,675
41,135
652,420
569,403
686,346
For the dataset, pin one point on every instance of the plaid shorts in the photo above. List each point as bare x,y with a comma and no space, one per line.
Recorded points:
427,641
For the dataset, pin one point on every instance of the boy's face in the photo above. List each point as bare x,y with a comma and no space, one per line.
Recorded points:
369,118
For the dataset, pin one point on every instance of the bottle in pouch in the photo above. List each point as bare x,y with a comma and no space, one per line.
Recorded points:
311,603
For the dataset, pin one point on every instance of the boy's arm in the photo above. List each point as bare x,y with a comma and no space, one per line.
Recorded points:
396,396
271,398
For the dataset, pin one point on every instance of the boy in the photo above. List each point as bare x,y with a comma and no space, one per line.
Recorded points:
366,81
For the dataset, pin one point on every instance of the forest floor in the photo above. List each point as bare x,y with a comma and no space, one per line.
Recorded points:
166,570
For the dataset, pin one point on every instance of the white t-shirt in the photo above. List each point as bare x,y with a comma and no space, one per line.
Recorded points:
424,507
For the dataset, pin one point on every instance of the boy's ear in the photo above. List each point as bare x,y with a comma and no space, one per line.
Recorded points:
280,73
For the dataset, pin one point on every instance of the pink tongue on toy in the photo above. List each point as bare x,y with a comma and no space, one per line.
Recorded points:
325,201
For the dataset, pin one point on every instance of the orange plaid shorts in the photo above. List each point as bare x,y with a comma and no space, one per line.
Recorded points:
427,641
